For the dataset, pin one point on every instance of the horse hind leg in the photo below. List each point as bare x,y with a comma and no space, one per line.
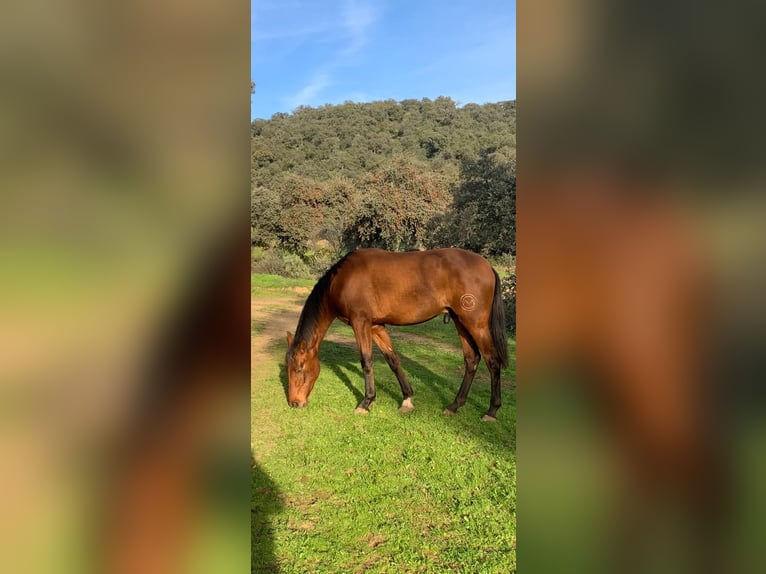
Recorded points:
471,358
383,341
487,349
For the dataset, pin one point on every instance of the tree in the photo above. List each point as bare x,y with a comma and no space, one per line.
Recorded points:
398,203
302,214
341,205
264,217
295,212
482,216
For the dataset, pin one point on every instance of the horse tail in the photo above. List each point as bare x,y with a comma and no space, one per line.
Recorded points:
497,324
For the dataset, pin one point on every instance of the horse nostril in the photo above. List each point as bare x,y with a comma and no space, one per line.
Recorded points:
294,404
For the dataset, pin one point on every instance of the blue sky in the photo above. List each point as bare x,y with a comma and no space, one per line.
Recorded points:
311,53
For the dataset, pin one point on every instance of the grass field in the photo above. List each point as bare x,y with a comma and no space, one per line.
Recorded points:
387,492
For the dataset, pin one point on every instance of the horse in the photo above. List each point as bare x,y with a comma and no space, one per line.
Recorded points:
371,288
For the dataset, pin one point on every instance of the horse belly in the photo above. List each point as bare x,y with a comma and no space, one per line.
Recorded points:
393,309
409,315
408,307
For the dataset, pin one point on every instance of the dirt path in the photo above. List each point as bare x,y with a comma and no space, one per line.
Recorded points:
270,319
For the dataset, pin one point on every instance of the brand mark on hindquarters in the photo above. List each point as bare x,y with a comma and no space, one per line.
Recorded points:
468,302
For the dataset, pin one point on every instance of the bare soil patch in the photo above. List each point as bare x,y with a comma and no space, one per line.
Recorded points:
273,316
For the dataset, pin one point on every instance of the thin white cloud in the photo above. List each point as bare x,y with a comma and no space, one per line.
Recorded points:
289,33
351,34
283,20
358,18
307,94
491,55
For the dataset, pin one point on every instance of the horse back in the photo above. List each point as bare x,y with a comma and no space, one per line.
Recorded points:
411,287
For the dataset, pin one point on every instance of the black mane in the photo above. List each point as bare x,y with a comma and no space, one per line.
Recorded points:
314,304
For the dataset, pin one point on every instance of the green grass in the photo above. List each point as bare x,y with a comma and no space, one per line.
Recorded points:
384,492
261,281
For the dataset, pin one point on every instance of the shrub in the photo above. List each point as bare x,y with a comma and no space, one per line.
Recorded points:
274,262
295,267
321,259
267,261
508,286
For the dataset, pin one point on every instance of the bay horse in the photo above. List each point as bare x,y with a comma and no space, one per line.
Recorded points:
371,288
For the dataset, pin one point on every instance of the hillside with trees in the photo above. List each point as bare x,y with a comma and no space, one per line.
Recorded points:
398,175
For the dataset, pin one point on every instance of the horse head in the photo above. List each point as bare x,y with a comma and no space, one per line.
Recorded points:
302,371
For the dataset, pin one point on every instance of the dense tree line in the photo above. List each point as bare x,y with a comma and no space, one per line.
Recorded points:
352,139
400,175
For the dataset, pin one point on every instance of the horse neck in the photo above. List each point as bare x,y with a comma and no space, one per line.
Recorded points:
315,337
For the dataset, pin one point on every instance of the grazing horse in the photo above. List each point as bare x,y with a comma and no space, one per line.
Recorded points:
370,288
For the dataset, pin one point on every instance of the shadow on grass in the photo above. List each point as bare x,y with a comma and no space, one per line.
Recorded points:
283,379
340,372
342,359
265,503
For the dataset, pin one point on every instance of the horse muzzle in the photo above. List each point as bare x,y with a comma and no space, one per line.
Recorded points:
298,404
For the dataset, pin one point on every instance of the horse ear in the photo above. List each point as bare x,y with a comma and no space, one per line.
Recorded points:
289,339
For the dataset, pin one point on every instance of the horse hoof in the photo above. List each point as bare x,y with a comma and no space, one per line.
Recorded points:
407,406
448,412
487,418
361,411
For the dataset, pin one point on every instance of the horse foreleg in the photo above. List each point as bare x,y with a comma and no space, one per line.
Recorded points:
363,333
471,358
383,341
